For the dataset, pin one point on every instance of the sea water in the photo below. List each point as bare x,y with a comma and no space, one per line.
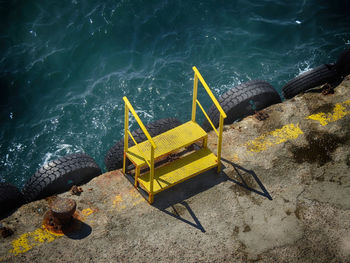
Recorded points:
65,65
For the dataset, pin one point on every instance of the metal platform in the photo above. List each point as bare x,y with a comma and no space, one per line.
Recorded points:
167,143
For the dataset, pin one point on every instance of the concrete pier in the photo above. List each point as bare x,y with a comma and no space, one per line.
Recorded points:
283,196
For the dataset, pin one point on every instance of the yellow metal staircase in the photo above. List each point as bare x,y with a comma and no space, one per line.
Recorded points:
146,154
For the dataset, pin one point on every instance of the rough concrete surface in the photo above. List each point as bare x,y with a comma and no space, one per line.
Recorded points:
283,196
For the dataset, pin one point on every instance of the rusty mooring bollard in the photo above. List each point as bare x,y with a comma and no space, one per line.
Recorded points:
60,216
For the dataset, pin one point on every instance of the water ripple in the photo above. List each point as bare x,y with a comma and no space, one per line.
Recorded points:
65,66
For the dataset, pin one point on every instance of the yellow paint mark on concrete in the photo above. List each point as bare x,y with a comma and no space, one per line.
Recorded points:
118,202
31,239
136,195
87,211
138,201
235,157
132,192
340,110
292,131
265,141
52,233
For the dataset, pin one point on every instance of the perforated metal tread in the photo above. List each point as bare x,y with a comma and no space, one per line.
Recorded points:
167,142
179,170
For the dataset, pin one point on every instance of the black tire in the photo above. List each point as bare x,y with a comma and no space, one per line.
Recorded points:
60,175
243,100
10,198
318,76
343,64
114,157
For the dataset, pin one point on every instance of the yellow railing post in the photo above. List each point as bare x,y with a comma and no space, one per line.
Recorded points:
151,176
195,89
198,76
221,128
126,127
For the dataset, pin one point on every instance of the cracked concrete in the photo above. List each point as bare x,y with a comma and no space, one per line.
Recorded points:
287,199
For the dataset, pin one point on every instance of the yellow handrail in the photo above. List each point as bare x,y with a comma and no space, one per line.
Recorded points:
143,128
216,103
223,115
206,115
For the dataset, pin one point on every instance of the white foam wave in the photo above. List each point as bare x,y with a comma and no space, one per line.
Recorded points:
305,68
61,150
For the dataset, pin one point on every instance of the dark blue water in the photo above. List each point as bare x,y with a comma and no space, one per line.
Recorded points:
65,65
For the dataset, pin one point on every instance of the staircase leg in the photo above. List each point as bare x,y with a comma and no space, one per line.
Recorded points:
150,198
205,142
137,174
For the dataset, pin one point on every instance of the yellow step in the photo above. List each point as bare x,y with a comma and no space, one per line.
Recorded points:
170,141
179,170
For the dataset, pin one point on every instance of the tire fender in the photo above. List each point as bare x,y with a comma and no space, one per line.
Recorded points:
60,175
320,75
243,100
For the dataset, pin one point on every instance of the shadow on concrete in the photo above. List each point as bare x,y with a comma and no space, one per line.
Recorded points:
78,230
172,201
176,214
244,184
3,215
7,213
